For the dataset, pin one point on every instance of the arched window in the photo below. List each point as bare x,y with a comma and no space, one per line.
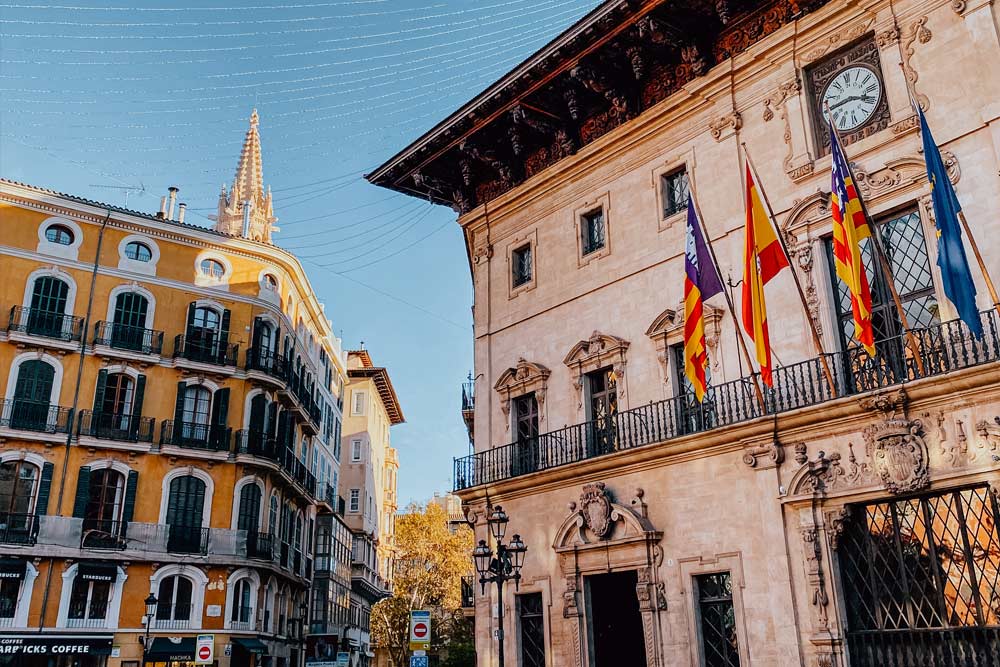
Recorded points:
47,307
241,613
89,599
248,518
212,268
18,484
272,515
129,321
102,516
60,234
138,251
173,606
118,394
270,282
196,412
32,395
185,513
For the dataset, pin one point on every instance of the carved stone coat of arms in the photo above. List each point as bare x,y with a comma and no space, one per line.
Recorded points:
898,455
595,508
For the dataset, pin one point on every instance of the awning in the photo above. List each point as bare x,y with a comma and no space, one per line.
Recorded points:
12,568
101,571
34,644
250,645
165,649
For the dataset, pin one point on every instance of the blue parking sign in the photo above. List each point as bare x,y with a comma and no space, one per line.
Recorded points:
419,661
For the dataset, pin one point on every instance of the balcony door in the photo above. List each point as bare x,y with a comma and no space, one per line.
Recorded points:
32,395
203,333
185,508
102,520
248,518
195,414
48,306
19,482
129,330
526,431
603,409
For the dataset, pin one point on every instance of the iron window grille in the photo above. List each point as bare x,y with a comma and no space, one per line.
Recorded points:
521,265
717,620
593,230
531,625
674,187
921,576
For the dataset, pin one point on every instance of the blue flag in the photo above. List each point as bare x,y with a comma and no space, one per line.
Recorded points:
955,273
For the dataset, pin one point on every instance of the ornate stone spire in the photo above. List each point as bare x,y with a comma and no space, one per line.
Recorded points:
246,209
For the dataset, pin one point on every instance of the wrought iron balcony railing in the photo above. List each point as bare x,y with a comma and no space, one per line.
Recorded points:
125,428
77,617
205,351
18,528
46,324
103,534
241,619
172,616
939,349
124,337
209,437
257,443
187,539
267,362
260,545
37,416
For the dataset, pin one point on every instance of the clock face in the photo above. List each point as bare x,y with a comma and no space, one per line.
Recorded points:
852,95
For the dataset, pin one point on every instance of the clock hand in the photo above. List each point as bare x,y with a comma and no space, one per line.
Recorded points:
852,98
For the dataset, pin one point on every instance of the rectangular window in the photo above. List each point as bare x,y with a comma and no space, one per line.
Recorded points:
717,620
521,265
526,417
531,627
674,191
592,229
358,407
355,450
355,500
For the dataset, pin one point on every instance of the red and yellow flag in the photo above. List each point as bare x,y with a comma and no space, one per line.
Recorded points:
763,258
850,227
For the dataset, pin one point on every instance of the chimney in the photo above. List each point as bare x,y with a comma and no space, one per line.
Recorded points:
163,207
181,210
173,200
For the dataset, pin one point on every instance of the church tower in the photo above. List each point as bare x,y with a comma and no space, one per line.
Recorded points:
246,209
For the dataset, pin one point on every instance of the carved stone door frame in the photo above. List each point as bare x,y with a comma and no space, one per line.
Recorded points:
601,536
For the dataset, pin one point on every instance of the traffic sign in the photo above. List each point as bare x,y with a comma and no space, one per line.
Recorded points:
419,661
204,652
420,630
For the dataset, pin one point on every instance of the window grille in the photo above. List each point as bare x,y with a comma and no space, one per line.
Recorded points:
592,228
521,266
531,622
674,187
717,620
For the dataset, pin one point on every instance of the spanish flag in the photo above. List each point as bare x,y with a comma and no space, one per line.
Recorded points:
763,258
850,227
701,282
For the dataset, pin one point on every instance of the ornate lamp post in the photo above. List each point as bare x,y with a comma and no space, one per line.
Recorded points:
502,567
151,603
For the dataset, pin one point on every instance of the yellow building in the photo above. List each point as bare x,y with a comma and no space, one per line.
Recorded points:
170,428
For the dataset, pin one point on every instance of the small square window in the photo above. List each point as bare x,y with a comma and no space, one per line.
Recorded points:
521,265
674,185
592,230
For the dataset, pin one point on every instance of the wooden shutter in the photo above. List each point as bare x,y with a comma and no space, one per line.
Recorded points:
255,338
128,507
140,394
220,407
102,383
190,320
179,406
44,486
82,493
224,334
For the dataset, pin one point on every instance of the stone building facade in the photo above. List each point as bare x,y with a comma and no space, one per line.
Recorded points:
170,427
850,522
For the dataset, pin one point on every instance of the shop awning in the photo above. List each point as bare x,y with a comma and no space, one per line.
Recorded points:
12,568
100,571
250,645
35,643
165,649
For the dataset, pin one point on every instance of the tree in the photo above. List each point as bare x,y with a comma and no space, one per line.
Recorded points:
430,563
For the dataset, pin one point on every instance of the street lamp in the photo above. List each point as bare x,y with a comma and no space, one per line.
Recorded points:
503,567
150,615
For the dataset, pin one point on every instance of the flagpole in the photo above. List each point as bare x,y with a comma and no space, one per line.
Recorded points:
880,251
795,276
729,300
965,223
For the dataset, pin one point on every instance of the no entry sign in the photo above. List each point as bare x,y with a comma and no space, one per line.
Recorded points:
204,652
420,630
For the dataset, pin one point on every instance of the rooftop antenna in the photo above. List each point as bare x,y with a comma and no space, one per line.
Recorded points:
127,189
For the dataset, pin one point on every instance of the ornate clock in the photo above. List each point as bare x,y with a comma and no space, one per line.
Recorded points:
849,83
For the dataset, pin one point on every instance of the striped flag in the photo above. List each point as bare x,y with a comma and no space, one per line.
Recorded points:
763,258
701,282
850,227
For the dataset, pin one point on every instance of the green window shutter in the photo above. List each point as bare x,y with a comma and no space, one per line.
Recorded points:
82,493
102,382
179,405
272,418
128,508
255,338
140,394
190,320
220,407
224,335
44,485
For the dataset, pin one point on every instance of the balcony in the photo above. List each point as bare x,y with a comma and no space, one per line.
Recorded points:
77,618
939,349
242,622
19,529
187,540
270,364
205,351
103,534
256,443
172,616
128,338
124,428
260,545
35,416
45,324
189,435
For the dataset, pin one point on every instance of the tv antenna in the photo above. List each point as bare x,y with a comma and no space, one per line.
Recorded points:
127,189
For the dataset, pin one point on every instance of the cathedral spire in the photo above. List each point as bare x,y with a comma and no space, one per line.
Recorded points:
246,209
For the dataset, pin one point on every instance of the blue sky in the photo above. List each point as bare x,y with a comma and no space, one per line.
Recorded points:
126,93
